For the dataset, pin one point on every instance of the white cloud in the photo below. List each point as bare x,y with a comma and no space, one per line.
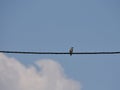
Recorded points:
16,76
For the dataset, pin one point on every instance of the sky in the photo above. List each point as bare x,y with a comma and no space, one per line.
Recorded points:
56,25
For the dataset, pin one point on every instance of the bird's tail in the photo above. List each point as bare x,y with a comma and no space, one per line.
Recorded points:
70,54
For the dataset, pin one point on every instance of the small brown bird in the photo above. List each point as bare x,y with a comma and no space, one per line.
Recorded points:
71,51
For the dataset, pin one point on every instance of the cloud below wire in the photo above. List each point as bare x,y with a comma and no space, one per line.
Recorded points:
49,76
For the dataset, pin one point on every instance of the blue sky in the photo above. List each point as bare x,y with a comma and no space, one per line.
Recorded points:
56,25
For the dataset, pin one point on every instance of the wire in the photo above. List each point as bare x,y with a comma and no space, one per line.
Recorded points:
22,52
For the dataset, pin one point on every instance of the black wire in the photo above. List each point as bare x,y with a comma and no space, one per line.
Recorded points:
22,52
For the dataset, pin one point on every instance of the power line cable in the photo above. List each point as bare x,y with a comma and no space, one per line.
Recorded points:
24,52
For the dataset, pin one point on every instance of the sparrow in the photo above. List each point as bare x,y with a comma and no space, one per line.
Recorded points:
71,51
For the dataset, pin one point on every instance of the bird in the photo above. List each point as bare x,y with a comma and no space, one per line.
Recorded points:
71,51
